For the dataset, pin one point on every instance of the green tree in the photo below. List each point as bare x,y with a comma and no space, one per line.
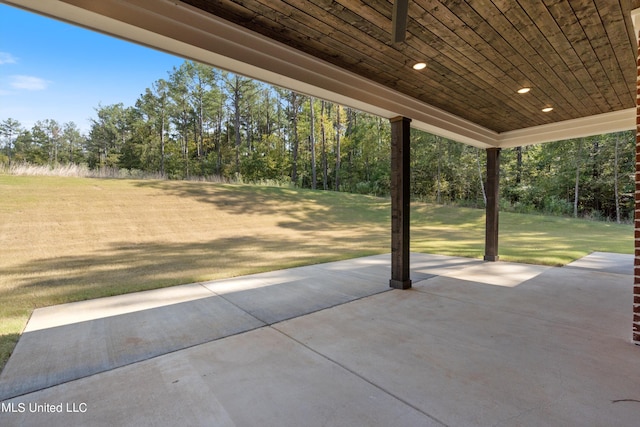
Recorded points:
153,125
182,115
294,105
73,142
110,132
9,131
240,93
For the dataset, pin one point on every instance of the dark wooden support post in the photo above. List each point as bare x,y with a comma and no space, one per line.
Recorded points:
493,187
400,202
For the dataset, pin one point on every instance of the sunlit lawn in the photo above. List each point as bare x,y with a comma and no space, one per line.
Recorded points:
535,239
68,239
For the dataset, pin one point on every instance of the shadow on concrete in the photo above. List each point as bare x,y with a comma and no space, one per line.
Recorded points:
47,356
472,343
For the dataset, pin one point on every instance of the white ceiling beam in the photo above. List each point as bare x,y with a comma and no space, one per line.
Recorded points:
616,121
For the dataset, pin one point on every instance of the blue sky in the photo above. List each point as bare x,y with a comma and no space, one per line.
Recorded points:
53,70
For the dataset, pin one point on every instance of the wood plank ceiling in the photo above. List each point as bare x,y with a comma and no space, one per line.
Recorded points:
577,56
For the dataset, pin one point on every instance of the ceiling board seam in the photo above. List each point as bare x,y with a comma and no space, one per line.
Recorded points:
600,73
620,84
570,29
542,75
531,54
446,94
580,91
490,79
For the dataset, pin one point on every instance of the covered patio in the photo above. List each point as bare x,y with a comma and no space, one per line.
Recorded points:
472,343
409,339
493,74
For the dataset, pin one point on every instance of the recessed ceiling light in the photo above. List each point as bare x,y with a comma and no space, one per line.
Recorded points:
547,109
420,66
524,89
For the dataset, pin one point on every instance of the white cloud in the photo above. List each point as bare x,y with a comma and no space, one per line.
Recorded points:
7,58
28,82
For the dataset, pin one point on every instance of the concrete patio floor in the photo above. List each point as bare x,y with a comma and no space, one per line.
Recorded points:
471,344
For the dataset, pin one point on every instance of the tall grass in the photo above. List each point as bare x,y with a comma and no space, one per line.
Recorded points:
75,170
83,171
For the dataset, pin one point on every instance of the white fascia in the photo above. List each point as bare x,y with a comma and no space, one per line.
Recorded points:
179,29
600,124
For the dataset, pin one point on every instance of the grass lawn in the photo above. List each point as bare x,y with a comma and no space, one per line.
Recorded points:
69,239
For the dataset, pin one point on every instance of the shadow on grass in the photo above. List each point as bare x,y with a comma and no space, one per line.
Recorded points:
126,268
130,267
313,227
318,208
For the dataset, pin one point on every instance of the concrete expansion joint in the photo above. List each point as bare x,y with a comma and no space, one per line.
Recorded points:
430,367
264,322
116,368
271,323
352,372
211,291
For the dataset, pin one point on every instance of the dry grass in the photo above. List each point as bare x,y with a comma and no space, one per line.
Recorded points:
64,231
71,170
66,239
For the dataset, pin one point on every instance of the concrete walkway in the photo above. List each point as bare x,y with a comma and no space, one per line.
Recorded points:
472,344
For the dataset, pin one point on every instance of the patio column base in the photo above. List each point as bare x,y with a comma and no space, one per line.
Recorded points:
400,284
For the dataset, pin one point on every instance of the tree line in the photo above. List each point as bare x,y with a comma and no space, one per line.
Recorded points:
202,122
